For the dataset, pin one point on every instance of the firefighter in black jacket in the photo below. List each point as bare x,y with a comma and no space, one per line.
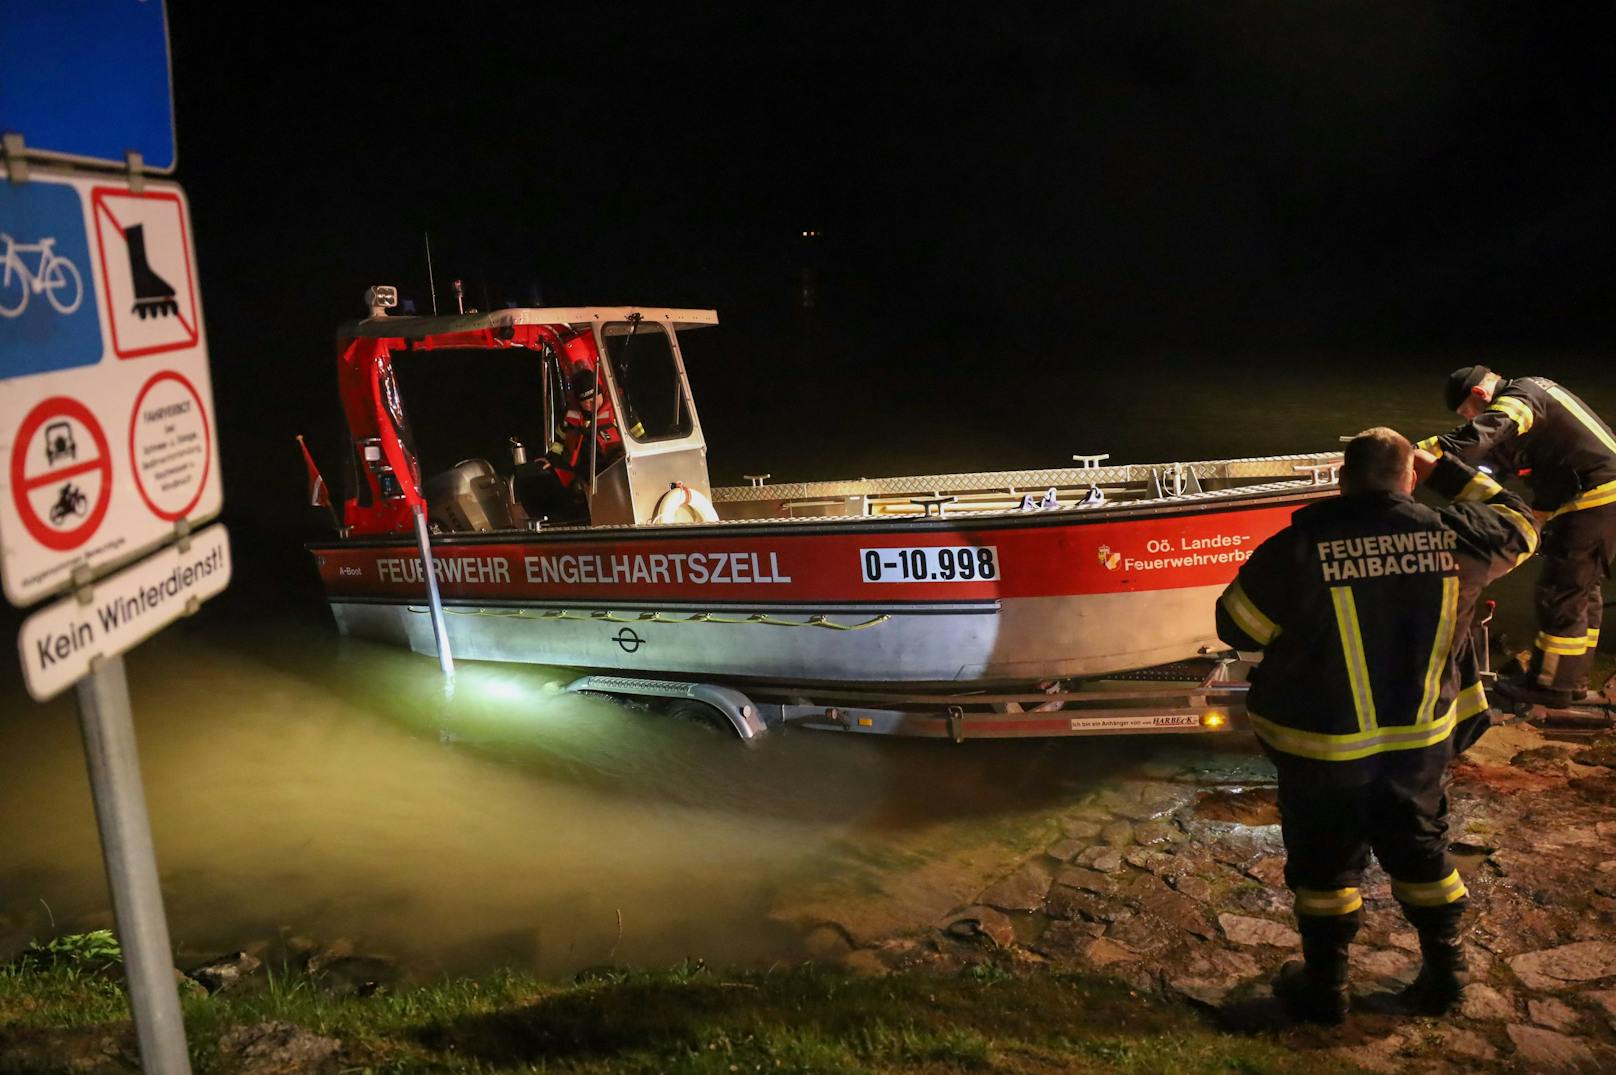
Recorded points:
1568,457
1369,685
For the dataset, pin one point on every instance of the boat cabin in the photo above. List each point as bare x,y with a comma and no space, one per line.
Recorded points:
622,443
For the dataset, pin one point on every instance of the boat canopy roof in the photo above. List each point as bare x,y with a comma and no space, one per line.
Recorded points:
414,327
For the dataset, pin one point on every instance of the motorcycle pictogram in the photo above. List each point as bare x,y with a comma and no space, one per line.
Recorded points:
69,502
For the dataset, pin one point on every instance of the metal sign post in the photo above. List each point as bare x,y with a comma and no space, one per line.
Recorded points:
108,441
131,861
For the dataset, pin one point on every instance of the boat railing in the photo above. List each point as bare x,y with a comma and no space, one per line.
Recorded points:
1004,489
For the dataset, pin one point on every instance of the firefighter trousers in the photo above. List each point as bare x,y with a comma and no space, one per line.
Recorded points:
1577,551
1329,833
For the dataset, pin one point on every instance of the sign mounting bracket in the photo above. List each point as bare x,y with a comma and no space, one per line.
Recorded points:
136,165
16,155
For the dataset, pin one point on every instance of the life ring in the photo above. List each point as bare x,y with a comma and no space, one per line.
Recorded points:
682,504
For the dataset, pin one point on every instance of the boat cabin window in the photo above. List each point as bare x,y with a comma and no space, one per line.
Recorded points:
467,404
647,376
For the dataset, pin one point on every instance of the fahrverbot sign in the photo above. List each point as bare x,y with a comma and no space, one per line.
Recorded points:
107,437
58,643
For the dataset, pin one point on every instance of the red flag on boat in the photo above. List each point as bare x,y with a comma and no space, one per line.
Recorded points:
319,496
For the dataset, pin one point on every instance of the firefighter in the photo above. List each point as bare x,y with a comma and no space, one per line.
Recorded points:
1567,454
1368,686
587,408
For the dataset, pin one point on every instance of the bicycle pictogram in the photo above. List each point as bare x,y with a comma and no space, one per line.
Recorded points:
56,276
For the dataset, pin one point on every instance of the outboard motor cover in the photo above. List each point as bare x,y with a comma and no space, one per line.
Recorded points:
470,497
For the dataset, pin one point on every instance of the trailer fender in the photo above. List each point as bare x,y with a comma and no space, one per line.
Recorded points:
742,714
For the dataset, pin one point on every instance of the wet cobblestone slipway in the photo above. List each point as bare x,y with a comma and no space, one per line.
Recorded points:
1172,881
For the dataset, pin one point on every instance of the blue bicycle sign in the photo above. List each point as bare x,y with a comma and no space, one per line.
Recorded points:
50,310
53,275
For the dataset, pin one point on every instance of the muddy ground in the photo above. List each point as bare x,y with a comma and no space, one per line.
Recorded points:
1171,880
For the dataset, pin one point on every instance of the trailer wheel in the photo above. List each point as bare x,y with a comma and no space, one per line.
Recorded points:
700,714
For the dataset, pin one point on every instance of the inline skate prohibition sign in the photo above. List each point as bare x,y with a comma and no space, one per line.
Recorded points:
61,473
146,271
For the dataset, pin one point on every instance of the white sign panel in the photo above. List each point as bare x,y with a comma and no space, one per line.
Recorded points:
58,642
107,433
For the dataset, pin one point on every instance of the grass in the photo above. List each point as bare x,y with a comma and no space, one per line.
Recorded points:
689,1020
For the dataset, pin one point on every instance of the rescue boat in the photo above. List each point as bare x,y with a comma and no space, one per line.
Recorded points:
622,557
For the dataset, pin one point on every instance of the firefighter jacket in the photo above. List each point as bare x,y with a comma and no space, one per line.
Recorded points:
1362,608
575,443
1534,426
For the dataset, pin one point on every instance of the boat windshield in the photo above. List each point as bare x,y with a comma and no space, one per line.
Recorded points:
647,376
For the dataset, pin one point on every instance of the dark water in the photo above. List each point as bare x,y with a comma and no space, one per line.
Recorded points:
299,781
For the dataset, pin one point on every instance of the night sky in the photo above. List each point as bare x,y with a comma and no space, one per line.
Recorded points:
1144,180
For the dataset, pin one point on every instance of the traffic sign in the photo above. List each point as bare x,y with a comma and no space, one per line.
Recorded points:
169,445
58,642
108,441
88,80
146,270
61,468
49,314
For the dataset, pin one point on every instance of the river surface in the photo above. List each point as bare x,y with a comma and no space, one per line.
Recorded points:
301,783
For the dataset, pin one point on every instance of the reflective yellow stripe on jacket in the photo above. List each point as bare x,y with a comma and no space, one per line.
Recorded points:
1518,411
1363,744
1524,525
1484,487
1480,487
1439,650
1247,615
1598,496
1352,651
1569,402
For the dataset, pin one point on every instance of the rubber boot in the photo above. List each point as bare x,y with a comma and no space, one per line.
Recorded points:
1314,988
1443,973
1527,690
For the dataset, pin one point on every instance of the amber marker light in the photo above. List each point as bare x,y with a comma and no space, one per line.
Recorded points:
1214,719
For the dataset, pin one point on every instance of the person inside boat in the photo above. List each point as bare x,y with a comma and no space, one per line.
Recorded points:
1369,686
588,407
556,486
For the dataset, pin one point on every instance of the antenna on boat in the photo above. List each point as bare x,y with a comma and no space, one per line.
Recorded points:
432,284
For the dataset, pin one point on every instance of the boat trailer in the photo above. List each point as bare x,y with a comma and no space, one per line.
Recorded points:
1191,696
